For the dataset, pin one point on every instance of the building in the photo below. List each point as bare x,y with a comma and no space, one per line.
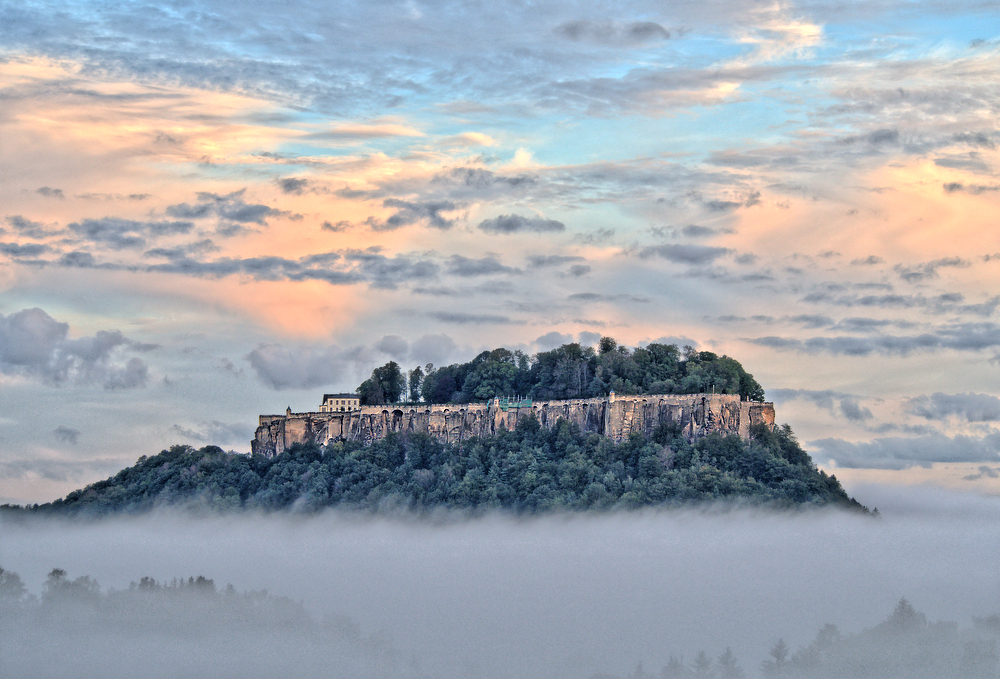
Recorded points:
340,403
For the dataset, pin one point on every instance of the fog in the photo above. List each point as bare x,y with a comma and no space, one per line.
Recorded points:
496,596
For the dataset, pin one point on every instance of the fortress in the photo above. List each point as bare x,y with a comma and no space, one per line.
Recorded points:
616,417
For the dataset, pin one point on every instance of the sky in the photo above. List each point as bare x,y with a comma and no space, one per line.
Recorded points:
211,210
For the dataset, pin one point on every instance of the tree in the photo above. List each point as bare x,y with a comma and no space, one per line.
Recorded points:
702,665
12,590
640,673
776,667
58,587
905,618
674,669
386,385
416,379
370,392
728,669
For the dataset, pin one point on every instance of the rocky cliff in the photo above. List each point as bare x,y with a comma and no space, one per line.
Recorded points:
697,415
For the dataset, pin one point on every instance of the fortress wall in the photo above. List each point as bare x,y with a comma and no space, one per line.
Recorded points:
618,417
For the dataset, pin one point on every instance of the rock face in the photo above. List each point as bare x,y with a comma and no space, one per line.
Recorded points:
615,417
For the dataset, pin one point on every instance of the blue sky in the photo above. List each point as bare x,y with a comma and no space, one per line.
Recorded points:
210,211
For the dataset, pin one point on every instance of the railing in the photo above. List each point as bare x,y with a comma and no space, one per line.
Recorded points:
507,402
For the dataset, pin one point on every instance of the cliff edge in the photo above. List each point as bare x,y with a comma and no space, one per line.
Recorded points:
616,417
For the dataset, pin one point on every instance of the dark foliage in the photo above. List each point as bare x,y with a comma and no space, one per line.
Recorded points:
575,371
386,385
531,469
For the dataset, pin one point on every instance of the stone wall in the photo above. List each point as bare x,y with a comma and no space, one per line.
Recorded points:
615,417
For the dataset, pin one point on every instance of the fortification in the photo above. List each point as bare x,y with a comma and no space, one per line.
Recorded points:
696,415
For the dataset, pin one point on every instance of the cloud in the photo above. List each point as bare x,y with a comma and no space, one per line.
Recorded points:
822,399
435,349
336,268
462,318
59,470
200,247
394,346
79,259
292,185
984,471
578,270
811,320
26,250
612,34
683,253
66,434
113,196
280,367
551,340
35,345
850,409
971,407
388,272
903,452
958,336
598,297
216,432
49,192
481,183
122,234
229,207
882,137
866,325
697,231
364,131
751,199
541,261
920,272
484,266
969,162
412,213
469,139
133,374
596,237
946,303
339,227
515,223
870,260
28,228
976,139
974,189
438,291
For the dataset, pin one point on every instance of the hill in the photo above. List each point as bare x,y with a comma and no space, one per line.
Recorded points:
530,469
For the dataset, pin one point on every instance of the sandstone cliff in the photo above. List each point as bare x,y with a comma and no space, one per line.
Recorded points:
615,417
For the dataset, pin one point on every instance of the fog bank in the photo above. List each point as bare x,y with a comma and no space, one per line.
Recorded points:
561,596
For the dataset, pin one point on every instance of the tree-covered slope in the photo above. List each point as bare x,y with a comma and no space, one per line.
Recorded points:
531,469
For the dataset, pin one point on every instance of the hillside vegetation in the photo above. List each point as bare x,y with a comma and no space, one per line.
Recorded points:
528,470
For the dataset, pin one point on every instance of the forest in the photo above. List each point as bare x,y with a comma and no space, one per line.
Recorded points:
569,371
191,628
531,469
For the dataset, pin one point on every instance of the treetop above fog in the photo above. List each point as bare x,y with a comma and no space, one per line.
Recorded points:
567,372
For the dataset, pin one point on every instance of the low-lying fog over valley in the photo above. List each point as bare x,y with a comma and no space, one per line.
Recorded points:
571,595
